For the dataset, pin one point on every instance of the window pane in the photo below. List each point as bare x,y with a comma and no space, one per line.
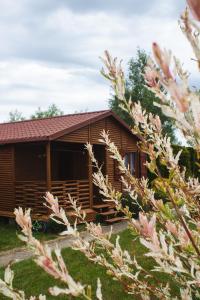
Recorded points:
132,163
126,160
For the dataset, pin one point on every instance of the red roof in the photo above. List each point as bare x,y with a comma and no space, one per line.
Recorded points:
49,128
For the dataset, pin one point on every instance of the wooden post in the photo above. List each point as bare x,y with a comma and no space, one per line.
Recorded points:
90,181
90,171
48,166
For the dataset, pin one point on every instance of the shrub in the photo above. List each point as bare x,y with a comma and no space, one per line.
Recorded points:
170,231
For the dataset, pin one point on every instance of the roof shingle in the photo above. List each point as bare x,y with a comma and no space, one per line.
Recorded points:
47,128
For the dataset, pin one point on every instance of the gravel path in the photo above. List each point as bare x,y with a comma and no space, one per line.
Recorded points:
18,254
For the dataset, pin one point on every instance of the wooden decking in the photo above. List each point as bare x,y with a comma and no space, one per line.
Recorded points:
31,194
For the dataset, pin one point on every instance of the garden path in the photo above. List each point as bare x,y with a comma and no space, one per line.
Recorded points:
22,253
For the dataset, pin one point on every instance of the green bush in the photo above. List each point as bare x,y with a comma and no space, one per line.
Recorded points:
188,160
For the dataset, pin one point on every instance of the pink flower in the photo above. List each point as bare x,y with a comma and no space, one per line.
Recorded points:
194,6
163,59
155,120
96,230
23,219
53,203
151,77
138,113
179,96
143,226
48,265
178,232
172,228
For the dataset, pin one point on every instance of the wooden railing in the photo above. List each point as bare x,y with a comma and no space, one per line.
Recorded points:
31,194
78,189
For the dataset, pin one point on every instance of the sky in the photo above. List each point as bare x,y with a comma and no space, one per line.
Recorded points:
50,49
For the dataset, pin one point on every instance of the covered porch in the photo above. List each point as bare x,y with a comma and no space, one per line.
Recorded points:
59,167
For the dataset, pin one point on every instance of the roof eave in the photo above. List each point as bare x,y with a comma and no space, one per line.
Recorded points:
24,140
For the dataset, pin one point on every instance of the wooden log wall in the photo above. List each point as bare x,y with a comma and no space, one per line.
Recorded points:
123,139
30,161
7,193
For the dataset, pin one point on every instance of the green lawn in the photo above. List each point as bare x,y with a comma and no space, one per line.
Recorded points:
81,269
9,239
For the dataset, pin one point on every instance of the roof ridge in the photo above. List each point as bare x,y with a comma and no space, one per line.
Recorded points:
47,118
51,128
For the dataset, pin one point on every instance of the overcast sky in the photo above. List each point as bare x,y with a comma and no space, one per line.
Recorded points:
50,49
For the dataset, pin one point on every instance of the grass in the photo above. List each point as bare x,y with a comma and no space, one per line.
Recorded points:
9,239
79,267
82,270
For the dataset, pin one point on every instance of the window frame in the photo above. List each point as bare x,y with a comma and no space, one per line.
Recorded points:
134,169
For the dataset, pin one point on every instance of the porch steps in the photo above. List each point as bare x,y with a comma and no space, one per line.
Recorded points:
115,220
108,213
101,207
90,215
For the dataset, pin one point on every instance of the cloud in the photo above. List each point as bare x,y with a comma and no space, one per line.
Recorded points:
29,85
50,49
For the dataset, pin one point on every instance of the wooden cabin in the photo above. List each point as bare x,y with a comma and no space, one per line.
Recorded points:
49,155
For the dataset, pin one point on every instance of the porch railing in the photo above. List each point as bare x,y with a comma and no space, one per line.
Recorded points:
78,189
31,194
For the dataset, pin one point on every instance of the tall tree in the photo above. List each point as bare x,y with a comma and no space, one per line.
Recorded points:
15,116
52,111
136,88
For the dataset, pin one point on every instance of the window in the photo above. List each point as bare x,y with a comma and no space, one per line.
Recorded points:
130,159
131,162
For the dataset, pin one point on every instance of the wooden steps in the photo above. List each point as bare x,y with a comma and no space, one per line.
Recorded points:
115,220
101,206
90,215
108,213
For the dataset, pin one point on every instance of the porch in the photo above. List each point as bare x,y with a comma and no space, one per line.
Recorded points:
59,167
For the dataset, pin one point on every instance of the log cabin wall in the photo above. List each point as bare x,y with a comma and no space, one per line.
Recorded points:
123,139
30,161
7,193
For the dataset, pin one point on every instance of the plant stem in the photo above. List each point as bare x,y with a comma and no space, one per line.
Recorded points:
182,219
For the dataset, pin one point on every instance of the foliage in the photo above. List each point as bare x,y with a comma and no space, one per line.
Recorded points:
170,231
15,116
188,161
52,111
137,90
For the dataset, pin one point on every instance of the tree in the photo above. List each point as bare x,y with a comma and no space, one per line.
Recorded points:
15,116
52,111
137,90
